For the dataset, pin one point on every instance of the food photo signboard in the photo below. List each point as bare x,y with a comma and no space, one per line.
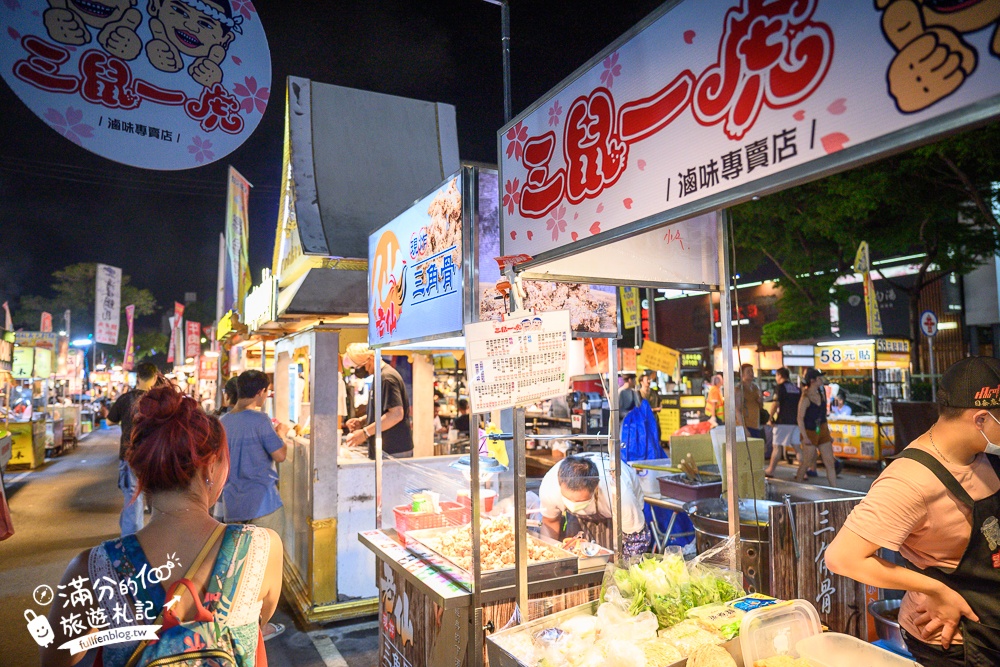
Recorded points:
593,308
158,84
709,102
415,270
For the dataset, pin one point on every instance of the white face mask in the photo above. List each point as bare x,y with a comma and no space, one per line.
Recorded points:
580,506
990,447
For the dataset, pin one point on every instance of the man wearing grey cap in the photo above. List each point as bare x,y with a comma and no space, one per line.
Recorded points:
397,439
938,505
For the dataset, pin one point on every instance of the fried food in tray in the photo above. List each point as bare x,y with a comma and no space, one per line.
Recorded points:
496,548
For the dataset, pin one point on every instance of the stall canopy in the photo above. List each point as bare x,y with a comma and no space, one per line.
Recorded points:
352,160
674,120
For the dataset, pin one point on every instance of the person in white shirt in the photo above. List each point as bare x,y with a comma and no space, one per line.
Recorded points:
581,490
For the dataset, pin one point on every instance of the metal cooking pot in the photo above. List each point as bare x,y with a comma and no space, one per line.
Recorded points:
711,525
886,614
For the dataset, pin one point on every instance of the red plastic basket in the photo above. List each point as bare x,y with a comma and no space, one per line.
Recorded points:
452,514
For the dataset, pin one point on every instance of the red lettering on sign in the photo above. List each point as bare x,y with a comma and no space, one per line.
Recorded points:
595,155
771,53
541,192
107,81
41,67
216,108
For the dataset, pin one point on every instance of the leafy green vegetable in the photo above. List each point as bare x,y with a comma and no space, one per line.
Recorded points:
669,587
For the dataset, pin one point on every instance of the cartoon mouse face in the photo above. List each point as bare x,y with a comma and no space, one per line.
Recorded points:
99,14
189,30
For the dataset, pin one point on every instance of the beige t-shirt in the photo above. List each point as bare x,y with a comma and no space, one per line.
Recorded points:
749,403
908,510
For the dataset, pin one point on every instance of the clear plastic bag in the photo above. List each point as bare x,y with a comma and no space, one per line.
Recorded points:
668,586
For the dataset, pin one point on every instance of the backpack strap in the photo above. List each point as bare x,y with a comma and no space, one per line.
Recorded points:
202,555
229,569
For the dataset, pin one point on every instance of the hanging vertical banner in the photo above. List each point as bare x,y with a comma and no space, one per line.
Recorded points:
862,265
129,362
173,340
107,308
46,324
8,324
237,233
630,307
193,348
175,325
67,317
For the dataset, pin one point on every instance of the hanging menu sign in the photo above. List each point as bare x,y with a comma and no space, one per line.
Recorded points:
519,361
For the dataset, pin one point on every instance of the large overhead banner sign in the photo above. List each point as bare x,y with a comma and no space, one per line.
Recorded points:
237,272
711,101
163,84
415,270
107,308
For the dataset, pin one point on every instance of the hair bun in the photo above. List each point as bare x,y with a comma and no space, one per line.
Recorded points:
172,438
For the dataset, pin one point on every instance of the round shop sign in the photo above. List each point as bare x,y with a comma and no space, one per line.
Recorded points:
159,84
929,323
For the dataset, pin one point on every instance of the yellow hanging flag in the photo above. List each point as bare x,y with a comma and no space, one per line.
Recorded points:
862,265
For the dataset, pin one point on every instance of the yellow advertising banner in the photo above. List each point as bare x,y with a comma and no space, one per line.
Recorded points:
659,357
630,307
850,356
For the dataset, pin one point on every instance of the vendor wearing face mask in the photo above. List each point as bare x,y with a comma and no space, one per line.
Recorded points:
938,505
577,495
397,440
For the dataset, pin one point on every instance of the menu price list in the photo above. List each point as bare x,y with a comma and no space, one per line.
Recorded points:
519,361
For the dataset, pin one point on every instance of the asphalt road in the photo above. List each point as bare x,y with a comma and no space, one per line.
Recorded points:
72,503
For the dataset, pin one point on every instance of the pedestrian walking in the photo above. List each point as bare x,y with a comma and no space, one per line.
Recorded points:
123,412
628,396
785,417
814,429
255,447
181,461
749,402
230,394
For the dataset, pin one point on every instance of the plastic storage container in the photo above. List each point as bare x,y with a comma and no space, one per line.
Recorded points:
794,629
452,514
832,649
777,630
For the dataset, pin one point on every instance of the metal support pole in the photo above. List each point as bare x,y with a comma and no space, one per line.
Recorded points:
651,314
377,412
930,349
505,42
476,640
726,316
520,515
615,445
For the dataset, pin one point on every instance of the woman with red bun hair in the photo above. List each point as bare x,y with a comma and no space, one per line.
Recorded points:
180,457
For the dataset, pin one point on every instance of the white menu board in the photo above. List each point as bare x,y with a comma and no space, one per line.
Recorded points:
519,361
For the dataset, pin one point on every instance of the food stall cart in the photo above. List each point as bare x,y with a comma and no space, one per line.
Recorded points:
880,368
604,184
312,304
426,590
6,367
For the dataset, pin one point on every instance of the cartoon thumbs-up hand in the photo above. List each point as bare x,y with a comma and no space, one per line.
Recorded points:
207,70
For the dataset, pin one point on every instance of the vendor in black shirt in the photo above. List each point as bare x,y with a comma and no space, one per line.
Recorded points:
397,440
461,423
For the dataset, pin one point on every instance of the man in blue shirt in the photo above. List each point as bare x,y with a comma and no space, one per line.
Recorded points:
251,492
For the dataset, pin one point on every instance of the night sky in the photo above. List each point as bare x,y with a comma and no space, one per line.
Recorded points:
60,204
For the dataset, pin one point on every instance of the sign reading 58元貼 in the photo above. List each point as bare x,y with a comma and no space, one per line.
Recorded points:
711,96
159,84
415,270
